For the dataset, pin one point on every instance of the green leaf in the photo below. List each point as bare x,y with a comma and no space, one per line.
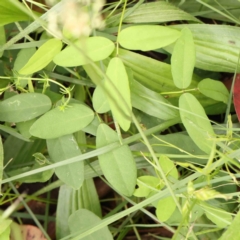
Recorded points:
63,148
157,12
219,216
118,166
5,229
95,73
214,89
151,73
147,37
176,144
56,123
233,230
151,102
217,46
118,76
23,127
64,210
157,76
1,163
196,122
92,49
92,127
39,177
2,37
146,185
14,133
22,58
99,100
42,57
193,7
168,167
5,224
24,107
10,12
88,197
165,208
82,220
183,59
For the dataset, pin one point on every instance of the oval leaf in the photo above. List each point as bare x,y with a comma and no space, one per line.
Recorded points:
42,57
1,163
217,46
157,12
92,49
196,122
165,209
118,166
56,123
219,216
146,185
24,107
151,102
22,58
233,230
168,167
214,89
99,100
118,76
13,12
63,148
147,37
64,202
183,59
82,220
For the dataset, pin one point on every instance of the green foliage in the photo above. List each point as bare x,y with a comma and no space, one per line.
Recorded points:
196,122
163,12
78,223
10,12
61,149
91,49
100,102
219,216
214,89
5,229
42,57
79,102
1,161
57,122
24,107
165,208
149,37
118,166
119,80
214,53
232,232
183,59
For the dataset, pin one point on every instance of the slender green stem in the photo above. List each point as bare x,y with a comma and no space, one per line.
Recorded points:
156,162
120,25
64,89
218,11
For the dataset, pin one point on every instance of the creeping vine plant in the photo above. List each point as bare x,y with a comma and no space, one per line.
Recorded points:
84,94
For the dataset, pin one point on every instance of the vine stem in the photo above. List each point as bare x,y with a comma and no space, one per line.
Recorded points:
66,90
120,25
